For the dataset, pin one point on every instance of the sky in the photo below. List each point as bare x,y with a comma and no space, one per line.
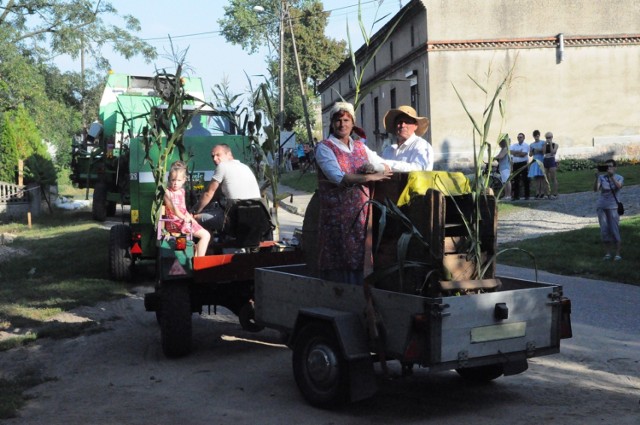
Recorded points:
193,24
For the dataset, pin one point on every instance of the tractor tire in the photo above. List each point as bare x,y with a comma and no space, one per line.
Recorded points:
320,370
481,373
99,204
175,319
111,208
120,261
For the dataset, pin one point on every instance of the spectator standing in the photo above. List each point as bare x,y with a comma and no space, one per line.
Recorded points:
520,158
608,183
504,166
536,169
551,165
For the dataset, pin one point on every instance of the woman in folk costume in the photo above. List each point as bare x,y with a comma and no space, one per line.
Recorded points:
345,169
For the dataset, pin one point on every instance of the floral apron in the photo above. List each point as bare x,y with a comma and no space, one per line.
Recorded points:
342,226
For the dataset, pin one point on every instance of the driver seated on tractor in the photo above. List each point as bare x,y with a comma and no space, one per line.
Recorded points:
176,209
237,182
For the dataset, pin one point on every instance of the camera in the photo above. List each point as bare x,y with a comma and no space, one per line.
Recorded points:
603,168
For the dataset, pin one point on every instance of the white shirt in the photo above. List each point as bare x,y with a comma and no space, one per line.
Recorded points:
237,181
524,147
415,154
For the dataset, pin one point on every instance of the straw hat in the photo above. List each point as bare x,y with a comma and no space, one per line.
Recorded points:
343,106
392,114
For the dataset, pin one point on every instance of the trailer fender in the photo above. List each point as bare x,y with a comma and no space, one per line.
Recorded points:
352,338
347,326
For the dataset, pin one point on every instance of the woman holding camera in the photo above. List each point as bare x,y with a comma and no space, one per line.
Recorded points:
608,183
550,165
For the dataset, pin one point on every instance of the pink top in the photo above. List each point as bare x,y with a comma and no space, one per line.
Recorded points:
179,203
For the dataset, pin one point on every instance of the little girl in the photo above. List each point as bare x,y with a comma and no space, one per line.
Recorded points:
176,208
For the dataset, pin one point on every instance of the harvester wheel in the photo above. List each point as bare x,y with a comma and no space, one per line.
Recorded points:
120,261
175,319
99,205
111,208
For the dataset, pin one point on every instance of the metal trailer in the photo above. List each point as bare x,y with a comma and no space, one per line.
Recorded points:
481,328
481,336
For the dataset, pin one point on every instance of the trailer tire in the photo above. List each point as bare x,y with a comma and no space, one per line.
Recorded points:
320,370
175,319
99,203
120,261
481,373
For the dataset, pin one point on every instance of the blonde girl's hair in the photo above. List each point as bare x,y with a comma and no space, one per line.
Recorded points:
177,168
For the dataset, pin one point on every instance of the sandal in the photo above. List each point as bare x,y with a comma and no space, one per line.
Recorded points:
617,258
606,257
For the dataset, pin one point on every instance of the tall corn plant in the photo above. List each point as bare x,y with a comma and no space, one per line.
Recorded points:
166,129
268,150
370,53
494,99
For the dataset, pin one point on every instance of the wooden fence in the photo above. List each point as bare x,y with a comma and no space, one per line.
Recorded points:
14,199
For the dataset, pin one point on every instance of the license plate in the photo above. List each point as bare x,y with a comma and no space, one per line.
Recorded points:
498,332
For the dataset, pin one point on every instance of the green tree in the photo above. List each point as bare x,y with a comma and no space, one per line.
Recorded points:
72,27
27,137
8,151
318,55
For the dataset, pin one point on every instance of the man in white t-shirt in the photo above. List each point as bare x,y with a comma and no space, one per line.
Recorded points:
412,151
235,179
520,159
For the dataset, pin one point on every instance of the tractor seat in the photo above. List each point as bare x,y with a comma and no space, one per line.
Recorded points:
249,223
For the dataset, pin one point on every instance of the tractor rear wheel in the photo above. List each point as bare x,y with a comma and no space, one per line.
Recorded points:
175,319
99,204
120,261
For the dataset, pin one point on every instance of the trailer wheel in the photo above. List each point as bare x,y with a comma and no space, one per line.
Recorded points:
99,204
247,317
120,261
481,373
320,371
175,319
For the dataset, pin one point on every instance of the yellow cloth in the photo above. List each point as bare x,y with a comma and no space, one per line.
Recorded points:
450,184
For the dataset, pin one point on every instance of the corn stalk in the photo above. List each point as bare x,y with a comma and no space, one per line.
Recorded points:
481,150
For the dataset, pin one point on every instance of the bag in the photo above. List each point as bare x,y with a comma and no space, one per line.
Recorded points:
620,208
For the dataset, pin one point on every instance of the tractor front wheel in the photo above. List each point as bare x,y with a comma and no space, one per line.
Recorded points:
175,319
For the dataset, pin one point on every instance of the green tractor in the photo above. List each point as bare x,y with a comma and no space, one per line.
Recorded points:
144,128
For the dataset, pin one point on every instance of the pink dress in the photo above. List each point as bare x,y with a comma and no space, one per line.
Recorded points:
342,227
179,203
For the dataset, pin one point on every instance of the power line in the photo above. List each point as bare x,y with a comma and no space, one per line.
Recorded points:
341,9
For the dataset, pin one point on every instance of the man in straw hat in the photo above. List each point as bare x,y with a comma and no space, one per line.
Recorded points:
415,153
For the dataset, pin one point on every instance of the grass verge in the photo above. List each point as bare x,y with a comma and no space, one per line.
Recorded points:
579,253
64,267
307,182
12,396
